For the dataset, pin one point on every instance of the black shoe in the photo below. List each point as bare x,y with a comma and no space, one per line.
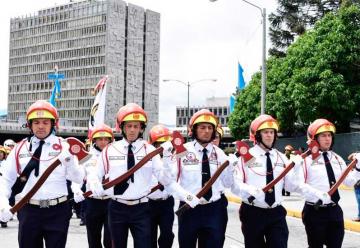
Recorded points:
82,223
4,225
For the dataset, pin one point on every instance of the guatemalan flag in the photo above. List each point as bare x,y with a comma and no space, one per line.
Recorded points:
97,113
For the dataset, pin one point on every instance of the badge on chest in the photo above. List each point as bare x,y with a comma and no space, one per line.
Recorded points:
190,159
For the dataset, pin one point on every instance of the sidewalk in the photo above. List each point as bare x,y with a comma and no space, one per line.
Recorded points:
295,203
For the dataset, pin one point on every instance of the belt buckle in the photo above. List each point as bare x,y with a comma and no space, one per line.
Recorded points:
44,203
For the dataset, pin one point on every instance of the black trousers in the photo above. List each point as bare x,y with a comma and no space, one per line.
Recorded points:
204,223
96,219
264,227
135,218
324,226
162,217
37,225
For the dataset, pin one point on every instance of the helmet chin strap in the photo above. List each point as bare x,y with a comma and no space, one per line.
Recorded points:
269,148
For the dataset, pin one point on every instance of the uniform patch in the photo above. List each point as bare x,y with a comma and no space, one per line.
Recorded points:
56,147
25,155
317,163
53,154
280,164
90,164
139,157
254,164
116,157
190,159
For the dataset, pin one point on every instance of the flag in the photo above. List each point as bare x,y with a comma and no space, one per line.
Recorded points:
241,81
56,93
232,103
97,113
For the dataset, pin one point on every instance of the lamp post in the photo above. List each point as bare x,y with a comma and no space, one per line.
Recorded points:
188,84
263,67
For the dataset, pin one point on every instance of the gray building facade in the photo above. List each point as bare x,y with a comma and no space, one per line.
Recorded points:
86,40
218,105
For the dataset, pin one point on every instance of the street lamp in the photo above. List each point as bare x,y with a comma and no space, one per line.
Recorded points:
188,84
263,69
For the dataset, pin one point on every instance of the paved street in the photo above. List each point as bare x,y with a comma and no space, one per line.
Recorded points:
234,238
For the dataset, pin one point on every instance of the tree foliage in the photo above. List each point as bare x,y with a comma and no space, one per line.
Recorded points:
293,17
318,78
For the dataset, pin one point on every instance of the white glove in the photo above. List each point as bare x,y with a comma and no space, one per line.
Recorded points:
357,157
297,160
78,194
65,157
257,193
96,188
78,197
192,200
168,147
323,196
5,214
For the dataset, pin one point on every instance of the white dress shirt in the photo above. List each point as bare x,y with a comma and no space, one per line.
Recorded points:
315,177
55,184
114,162
253,174
189,171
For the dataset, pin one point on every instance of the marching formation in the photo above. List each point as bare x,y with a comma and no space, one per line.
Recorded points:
132,184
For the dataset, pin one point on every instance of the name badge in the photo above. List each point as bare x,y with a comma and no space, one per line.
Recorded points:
116,157
25,155
253,165
53,154
280,164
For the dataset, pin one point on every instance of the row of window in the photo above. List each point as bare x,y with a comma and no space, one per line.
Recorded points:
46,17
53,41
82,43
182,121
181,112
77,23
65,64
71,73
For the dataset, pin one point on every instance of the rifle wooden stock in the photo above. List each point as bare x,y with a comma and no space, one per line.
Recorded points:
338,182
205,189
76,148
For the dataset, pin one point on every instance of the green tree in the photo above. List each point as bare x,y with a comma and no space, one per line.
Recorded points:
318,78
293,17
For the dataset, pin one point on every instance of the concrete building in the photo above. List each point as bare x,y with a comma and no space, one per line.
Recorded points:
86,40
218,105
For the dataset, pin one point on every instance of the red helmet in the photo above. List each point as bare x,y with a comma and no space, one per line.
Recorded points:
260,123
159,133
203,116
320,126
130,112
42,109
102,130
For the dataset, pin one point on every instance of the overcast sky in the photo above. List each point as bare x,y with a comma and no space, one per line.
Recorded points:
199,39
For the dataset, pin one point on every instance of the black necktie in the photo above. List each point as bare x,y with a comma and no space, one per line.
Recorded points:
119,189
331,176
34,162
270,194
25,174
205,173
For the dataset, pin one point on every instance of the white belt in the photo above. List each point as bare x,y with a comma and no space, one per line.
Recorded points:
48,202
160,198
131,202
101,197
204,201
263,207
